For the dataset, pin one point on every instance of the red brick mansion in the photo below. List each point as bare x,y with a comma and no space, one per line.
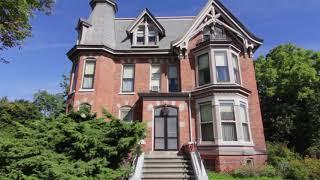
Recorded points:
191,79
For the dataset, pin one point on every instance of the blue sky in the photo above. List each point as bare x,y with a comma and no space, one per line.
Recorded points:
41,62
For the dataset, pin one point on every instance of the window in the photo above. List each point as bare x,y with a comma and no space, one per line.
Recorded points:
128,78
219,33
207,33
85,107
229,130
222,66
206,122
244,122
152,36
74,77
155,78
126,114
203,70
236,68
88,77
141,35
173,78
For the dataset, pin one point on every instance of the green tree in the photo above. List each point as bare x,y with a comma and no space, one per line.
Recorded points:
50,104
73,146
289,88
15,18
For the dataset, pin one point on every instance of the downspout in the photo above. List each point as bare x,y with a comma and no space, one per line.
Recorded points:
190,120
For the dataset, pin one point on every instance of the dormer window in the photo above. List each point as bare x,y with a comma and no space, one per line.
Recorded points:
141,35
146,34
153,35
146,31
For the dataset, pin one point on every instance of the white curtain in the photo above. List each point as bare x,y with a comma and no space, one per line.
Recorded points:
128,71
89,70
87,82
229,132
221,58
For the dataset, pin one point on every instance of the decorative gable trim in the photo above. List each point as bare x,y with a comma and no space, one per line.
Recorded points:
138,20
207,16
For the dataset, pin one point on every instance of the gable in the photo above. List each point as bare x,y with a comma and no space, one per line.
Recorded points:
146,14
215,13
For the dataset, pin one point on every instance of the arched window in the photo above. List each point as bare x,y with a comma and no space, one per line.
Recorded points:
85,107
126,114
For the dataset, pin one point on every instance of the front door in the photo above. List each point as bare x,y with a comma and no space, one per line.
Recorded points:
166,135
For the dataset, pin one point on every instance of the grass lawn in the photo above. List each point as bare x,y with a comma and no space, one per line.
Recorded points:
217,176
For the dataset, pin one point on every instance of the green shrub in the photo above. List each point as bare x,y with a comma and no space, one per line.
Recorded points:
245,171
297,170
74,146
268,171
313,166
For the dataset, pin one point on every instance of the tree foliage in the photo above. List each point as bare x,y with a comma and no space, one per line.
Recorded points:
49,104
73,146
15,18
289,88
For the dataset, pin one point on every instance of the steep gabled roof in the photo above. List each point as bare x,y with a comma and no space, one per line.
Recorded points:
236,25
147,13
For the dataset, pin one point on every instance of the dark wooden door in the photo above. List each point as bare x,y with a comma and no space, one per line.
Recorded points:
166,132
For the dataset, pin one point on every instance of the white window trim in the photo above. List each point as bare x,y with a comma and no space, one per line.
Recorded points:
126,108
144,22
249,124
206,102
150,78
134,79
238,56
218,138
83,69
212,65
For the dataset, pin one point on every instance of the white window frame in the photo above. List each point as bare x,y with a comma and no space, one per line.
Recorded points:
200,123
232,102
248,122
218,138
134,79
83,70
144,22
150,84
212,65
126,108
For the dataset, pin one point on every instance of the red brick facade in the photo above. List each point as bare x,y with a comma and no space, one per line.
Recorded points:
106,93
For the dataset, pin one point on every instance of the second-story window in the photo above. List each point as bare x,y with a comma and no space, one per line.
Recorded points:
155,78
203,70
74,77
236,70
128,78
88,76
222,66
173,78
126,114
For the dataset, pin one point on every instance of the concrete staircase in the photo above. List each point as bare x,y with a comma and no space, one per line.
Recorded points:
166,165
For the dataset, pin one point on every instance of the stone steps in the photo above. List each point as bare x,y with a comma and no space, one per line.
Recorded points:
166,165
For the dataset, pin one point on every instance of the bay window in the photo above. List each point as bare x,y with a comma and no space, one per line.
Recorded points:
222,66
155,78
244,122
88,76
206,122
228,121
128,78
204,76
173,78
236,70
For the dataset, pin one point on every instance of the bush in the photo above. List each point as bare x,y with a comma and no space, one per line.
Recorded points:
74,146
297,171
250,171
313,166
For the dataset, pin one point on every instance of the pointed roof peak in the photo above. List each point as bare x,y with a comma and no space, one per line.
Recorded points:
146,12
